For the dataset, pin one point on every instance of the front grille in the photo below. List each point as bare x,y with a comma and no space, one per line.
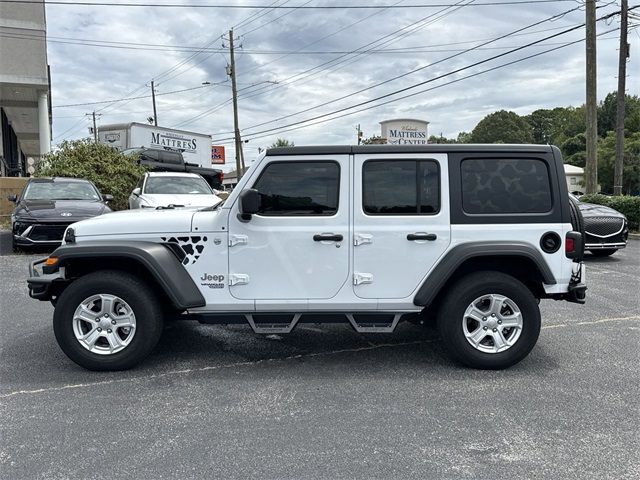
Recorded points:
603,226
47,233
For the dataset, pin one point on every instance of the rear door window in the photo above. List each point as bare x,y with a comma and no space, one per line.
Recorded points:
401,187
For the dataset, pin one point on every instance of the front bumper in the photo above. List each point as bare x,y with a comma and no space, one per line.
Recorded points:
40,234
44,282
605,246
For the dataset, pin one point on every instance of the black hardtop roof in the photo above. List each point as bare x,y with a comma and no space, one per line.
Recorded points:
429,148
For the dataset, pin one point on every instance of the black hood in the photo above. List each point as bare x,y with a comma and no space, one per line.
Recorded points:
59,210
593,210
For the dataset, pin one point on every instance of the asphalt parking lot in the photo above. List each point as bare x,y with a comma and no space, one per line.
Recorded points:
325,402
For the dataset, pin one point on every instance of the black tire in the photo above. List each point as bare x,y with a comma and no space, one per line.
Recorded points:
136,293
462,294
603,252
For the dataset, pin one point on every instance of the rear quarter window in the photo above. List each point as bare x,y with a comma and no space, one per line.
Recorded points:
505,186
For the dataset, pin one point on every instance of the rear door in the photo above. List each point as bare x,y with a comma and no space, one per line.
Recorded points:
401,222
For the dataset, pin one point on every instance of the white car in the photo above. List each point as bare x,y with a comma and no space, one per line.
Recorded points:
172,189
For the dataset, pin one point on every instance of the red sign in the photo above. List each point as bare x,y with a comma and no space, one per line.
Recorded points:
217,155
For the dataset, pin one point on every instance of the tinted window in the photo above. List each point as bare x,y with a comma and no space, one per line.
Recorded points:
494,186
401,187
299,188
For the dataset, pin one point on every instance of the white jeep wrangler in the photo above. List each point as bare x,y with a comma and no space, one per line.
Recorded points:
472,235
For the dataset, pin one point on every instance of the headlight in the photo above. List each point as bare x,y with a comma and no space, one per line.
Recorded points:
19,227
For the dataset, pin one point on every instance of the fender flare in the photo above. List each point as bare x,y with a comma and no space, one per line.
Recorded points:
459,254
157,259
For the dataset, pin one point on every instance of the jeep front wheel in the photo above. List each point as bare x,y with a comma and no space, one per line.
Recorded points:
489,320
107,320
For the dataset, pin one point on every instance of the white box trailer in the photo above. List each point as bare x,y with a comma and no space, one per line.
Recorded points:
195,147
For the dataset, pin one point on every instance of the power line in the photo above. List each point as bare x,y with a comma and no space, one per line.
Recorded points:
139,97
433,79
280,7
430,65
283,130
415,25
190,48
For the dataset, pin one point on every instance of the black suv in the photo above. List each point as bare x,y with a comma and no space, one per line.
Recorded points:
47,206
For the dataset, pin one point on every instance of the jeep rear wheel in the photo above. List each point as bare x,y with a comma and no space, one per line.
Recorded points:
489,320
107,320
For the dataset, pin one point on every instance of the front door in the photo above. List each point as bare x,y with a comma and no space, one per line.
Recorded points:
401,222
297,246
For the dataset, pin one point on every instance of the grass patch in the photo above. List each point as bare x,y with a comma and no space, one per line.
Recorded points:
5,223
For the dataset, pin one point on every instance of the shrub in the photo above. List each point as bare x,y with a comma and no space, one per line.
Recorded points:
109,169
628,205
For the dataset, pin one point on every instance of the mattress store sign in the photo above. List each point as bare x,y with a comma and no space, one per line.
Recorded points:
405,131
173,141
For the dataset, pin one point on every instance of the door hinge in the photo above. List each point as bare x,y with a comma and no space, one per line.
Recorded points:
238,240
362,239
360,278
238,279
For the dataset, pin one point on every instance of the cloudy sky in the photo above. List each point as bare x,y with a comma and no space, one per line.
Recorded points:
312,75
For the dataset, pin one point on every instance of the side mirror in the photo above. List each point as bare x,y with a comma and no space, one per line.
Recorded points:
107,198
12,198
136,191
249,204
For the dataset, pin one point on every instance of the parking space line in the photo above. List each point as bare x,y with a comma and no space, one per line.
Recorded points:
291,357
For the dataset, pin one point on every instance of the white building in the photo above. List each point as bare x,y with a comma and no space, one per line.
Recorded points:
575,178
25,108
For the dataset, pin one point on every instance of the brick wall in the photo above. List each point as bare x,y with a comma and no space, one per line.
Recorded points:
9,186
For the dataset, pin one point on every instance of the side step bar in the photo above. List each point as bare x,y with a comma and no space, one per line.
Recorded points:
268,326
364,322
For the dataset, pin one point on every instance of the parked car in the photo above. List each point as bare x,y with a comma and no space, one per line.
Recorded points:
157,160
172,189
606,229
47,206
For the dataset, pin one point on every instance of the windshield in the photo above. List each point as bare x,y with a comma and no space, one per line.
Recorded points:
60,191
167,185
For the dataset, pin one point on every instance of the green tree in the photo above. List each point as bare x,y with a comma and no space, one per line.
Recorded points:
282,142
109,169
607,114
502,127
606,162
463,137
440,139
555,126
375,140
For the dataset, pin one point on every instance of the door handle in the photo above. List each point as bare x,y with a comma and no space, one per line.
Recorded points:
422,236
327,237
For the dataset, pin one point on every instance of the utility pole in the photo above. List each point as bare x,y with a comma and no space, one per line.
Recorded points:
153,99
591,166
620,98
231,71
95,128
359,134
